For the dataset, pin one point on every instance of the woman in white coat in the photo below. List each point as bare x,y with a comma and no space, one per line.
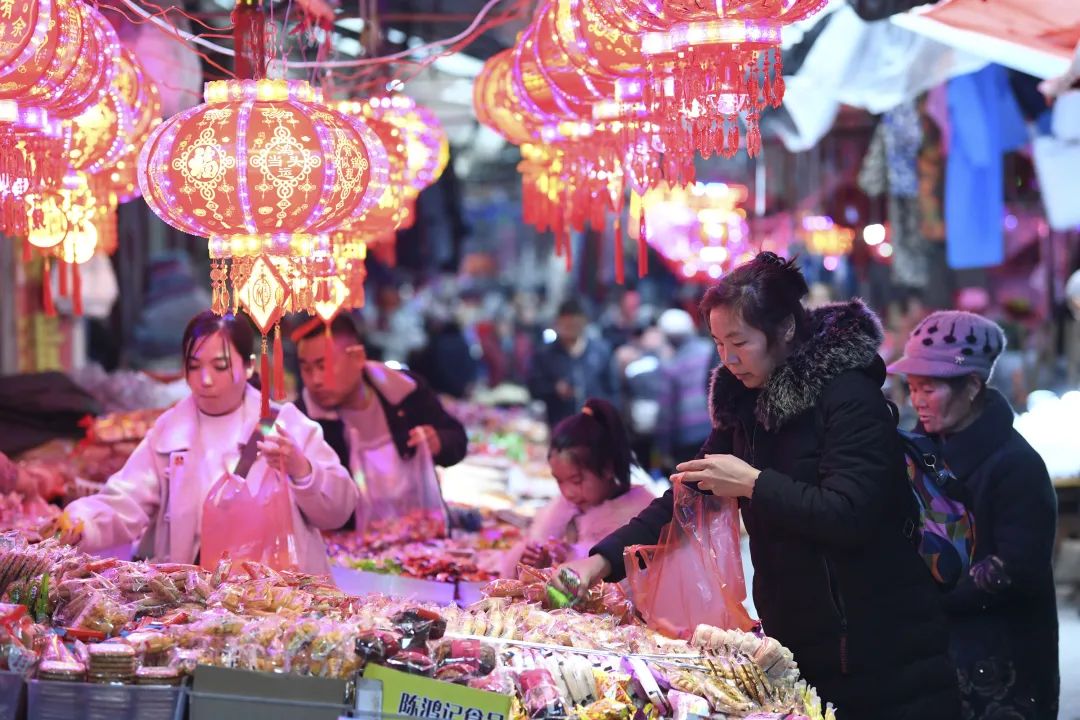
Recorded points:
158,495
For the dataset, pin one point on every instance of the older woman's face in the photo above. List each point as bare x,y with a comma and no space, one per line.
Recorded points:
743,349
941,408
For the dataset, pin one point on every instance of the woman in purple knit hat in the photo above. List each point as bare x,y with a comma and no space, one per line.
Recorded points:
1003,615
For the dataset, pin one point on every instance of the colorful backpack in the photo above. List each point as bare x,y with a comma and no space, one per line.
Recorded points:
945,535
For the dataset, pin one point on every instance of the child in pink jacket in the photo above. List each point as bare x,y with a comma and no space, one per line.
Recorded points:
591,459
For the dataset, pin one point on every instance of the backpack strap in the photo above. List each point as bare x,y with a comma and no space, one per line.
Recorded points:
250,452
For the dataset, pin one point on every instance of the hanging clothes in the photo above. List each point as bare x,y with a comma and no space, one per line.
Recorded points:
891,167
986,123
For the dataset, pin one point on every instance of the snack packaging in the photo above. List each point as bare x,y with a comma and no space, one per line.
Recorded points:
473,652
541,695
413,663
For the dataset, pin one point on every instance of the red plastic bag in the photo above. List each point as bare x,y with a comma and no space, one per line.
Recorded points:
694,575
244,526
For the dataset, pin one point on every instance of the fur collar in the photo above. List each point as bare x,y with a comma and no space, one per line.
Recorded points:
843,336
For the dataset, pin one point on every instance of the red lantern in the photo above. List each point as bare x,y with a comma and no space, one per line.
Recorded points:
260,162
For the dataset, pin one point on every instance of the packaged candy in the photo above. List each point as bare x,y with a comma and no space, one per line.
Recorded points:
413,663
375,646
458,672
417,626
502,681
543,701
451,652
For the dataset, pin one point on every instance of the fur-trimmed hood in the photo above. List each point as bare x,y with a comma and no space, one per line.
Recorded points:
843,336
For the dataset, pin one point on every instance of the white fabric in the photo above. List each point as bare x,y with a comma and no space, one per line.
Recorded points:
1065,121
874,66
156,495
1056,162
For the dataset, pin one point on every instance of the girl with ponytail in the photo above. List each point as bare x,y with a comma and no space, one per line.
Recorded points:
591,460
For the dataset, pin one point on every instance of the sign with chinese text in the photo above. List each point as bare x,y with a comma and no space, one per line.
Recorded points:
412,696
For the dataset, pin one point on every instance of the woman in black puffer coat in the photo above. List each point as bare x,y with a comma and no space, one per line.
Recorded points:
805,439
1003,626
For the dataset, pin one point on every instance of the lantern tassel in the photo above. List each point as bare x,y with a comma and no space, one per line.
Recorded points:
46,290
264,381
249,35
328,363
643,247
27,250
279,366
620,269
76,290
62,270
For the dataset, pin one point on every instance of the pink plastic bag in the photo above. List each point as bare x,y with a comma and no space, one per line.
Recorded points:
246,526
694,574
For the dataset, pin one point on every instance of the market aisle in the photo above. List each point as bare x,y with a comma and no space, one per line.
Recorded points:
1069,644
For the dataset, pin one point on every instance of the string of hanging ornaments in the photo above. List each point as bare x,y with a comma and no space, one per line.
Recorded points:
287,187
74,110
609,95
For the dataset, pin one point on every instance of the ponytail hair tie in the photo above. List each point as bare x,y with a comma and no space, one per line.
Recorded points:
587,411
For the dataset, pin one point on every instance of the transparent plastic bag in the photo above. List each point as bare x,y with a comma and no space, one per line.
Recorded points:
241,525
394,491
694,574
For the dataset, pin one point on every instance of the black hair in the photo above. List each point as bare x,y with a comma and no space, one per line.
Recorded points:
765,292
342,326
571,307
596,438
237,329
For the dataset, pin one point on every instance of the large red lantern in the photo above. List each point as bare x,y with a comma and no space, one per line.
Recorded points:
260,164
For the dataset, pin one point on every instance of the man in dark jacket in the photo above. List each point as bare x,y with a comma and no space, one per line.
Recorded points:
572,369
386,425
835,578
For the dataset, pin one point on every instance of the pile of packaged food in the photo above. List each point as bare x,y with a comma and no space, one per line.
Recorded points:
417,549
71,617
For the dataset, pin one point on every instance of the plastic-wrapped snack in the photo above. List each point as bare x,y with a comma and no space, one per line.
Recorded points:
218,622
460,672
684,705
449,652
502,681
375,646
149,642
417,626
505,588
541,695
413,663
104,614
606,709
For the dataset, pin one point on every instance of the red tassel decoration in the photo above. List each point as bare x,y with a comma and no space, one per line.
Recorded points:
27,250
76,290
279,366
249,36
328,363
46,290
620,265
643,248
567,246
62,270
264,381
